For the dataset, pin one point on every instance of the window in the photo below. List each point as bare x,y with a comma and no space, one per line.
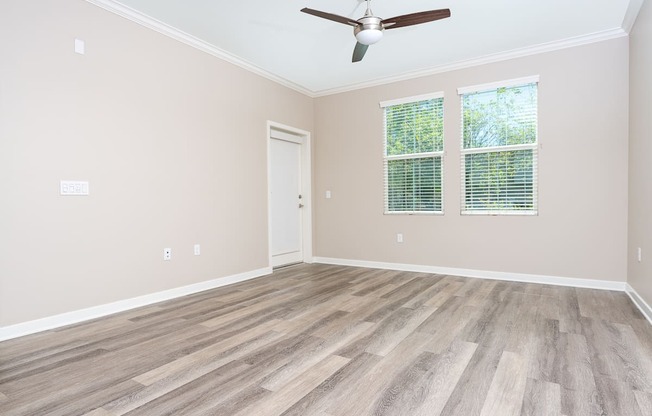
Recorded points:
414,148
499,148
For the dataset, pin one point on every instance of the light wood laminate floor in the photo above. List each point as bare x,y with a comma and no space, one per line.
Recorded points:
331,340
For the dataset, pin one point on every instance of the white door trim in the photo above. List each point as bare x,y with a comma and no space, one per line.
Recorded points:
306,188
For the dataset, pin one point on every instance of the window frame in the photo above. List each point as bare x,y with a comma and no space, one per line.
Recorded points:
411,156
534,147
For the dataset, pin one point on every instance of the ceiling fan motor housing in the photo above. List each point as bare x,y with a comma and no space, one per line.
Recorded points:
369,30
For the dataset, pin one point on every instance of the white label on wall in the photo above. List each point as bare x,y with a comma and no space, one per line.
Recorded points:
72,188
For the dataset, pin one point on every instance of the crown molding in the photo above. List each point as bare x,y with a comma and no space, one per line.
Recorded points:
631,14
167,30
483,60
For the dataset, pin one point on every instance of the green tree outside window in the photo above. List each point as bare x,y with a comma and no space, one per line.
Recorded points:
414,144
499,150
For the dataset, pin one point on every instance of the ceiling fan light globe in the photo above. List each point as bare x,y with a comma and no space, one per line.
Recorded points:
369,36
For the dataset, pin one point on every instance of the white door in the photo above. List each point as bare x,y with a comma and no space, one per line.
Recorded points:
285,198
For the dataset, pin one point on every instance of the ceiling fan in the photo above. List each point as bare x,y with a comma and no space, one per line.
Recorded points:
369,28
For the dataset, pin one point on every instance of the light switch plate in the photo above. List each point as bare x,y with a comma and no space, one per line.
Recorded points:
80,46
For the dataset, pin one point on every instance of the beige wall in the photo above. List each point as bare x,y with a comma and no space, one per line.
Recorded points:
581,231
171,139
640,154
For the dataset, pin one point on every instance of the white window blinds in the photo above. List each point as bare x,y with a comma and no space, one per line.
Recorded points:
414,149
499,149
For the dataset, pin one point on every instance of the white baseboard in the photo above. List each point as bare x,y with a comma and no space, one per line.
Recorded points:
481,274
69,318
645,309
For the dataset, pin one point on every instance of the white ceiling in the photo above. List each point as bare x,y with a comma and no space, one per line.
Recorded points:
313,55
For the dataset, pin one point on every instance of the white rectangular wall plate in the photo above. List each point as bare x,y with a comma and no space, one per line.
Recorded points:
80,46
74,188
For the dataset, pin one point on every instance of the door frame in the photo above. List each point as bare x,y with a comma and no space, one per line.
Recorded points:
306,188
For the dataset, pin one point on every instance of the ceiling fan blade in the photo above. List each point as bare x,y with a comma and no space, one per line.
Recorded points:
359,51
415,18
330,16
